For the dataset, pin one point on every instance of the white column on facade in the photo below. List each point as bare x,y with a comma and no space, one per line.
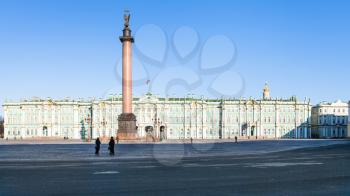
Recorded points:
184,120
295,121
239,119
260,121
277,134
190,117
196,121
6,124
247,130
204,121
255,119
75,124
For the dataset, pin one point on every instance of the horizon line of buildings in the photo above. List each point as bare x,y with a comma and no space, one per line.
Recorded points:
178,118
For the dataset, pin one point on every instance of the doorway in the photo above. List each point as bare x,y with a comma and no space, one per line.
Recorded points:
45,131
162,132
252,130
149,133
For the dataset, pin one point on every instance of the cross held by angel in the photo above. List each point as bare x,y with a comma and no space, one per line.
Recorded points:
126,18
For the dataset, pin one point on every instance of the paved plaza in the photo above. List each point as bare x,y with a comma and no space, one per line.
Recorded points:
247,168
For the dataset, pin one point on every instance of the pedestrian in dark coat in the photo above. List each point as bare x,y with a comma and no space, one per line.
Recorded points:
236,139
111,146
97,146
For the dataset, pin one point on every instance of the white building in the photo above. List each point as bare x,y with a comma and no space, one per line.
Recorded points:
163,118
329,120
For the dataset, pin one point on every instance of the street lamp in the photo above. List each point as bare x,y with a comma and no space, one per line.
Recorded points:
89,121
156,123
104,123
221,108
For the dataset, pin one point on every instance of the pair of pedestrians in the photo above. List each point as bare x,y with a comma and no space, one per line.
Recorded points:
111,145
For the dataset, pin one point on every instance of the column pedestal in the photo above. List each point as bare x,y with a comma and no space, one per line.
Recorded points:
127,127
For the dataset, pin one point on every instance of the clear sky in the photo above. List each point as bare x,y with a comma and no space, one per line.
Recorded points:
65,48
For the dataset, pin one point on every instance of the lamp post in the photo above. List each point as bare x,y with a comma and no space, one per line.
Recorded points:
190,119
184,121
114,113
156,123
202,99
104,123
221,108
89,121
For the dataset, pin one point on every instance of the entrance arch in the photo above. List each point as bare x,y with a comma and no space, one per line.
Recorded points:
162,132
149,130
45,132
252,130
149,133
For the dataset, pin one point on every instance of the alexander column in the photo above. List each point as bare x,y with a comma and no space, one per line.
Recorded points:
127,120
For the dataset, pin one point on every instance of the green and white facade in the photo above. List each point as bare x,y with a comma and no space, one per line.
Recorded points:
163,118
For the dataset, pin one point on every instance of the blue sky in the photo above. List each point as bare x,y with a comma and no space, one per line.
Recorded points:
63,48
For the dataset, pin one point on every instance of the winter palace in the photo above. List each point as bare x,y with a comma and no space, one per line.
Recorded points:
161,118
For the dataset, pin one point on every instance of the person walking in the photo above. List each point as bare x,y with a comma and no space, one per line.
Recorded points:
97,146
236,139
111,146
